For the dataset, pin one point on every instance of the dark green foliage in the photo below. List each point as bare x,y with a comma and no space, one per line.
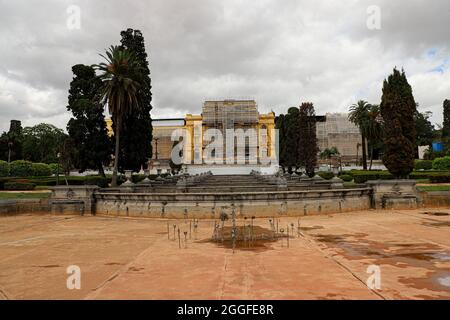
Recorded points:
280,124
19,185
364,176
424,128
291,139
4,168
440,178
307,140
41,170
346,177
42,143
21,168
423,165
446,124
441,163
54,168
136,134
87,128
398,109
327,175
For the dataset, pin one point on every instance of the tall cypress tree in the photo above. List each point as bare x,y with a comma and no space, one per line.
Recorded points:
397,109
307,143
446,124
136,134
87,128
280,124
291,139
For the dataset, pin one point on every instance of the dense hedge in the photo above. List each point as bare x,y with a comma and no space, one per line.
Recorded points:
327,175
21,168
4,168
441,163
41,170
54,168
423,164
346,177
18,185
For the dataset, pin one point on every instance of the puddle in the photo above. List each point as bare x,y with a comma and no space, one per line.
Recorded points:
436,213
48,266
444,281
262,238
311,228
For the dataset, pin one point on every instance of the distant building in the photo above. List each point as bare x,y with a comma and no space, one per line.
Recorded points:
335,130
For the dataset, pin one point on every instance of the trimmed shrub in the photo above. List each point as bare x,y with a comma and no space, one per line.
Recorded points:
17,185
96,180
441,163
364,176
41,170
21,168
4,168
327,175
440,177
423,164
54,168
346,177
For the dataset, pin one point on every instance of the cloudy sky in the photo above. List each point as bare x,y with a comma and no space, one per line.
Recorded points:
278,52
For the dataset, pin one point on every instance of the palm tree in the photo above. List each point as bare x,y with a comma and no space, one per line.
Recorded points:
359,115
329,154
373,129
119,90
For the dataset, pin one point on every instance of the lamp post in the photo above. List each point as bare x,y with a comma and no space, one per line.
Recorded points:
10,144
58,155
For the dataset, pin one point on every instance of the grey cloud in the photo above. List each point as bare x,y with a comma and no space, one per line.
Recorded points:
278,52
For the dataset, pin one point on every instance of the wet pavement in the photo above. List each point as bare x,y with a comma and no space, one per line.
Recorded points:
325,257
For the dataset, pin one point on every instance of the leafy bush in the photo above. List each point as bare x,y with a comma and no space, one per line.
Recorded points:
327,175
346,177
441,163
41,170
4,168
440,177
364,176
17,185
423,165
54,168
97,180
21,168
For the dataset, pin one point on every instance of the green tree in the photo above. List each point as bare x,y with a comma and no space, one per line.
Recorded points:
359,116
42,143
280,124
425,132
11,142
87,127
373,130
446,124
307,143
398,109
291,139
329,153
136,132
119,91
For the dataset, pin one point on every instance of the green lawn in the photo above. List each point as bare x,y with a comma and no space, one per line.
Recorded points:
23,195
434,188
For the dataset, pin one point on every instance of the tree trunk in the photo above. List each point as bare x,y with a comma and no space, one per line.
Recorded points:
101,171
371,156
364,152
116,156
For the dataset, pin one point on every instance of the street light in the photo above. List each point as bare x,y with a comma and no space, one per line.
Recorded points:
58,155
10,144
